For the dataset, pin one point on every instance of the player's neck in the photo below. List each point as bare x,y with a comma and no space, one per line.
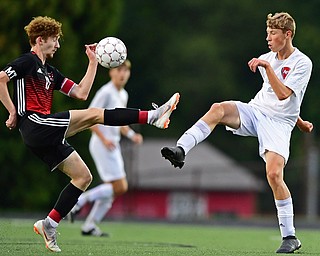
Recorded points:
39,53
118,86
285,53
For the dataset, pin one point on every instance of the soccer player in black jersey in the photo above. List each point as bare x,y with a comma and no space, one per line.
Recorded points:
44,133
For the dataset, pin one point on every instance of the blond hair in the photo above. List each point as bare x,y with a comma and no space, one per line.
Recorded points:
127,63
44,27
283,21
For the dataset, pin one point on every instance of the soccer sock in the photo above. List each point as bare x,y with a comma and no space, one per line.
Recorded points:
67,199
124,116
152,114
52,223
197,133
97,213
285,217
104,190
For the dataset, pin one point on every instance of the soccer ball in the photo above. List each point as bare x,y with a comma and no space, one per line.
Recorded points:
111,52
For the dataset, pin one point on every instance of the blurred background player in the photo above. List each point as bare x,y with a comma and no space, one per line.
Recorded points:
270,116
106,152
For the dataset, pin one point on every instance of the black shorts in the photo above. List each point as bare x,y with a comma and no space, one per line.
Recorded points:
44,135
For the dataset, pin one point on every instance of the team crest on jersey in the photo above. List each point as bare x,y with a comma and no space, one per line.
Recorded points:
285,72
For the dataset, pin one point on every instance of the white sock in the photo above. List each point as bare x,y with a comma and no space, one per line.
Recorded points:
150,115
52,222
285,217
97,213
192,137
104,190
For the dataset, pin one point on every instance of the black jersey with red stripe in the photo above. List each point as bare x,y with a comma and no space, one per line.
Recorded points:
34,84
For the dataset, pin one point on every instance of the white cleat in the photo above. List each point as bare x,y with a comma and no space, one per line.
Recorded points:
48,233
162,114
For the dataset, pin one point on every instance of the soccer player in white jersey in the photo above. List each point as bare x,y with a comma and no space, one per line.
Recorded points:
106,152
270,116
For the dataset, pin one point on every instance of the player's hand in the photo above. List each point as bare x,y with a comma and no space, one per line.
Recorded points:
11,123
137,138
305,126
255,62
91,52
109,144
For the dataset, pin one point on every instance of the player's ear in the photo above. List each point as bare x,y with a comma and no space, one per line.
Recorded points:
289,33
39,40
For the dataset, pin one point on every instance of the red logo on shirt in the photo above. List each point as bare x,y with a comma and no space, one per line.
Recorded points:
285,72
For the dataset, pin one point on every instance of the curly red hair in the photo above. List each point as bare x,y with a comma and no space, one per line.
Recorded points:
44,27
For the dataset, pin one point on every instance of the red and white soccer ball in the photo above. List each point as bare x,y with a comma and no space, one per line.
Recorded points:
111,52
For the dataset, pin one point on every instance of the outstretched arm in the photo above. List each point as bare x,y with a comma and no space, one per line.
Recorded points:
81,91
6,101
304,126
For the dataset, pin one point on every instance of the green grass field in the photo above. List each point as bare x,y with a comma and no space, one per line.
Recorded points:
140,238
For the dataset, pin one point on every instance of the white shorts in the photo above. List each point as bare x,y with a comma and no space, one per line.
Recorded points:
109,163
272,135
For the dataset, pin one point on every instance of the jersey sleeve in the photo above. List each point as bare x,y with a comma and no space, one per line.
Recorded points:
67,86
17,68
298,79
63,84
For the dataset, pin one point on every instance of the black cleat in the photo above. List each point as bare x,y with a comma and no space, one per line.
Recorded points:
175,155
289,245
94,232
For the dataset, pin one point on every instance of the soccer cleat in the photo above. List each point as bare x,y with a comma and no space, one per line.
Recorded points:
175,155
72,214
94,232
162,114
289,245
49,234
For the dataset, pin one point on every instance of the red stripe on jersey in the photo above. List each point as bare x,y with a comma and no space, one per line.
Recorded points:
67,86
38,97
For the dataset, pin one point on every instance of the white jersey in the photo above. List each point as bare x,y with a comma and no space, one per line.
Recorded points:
109,97
294,72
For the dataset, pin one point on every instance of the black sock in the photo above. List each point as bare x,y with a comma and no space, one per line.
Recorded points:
67,199
289,237
121,116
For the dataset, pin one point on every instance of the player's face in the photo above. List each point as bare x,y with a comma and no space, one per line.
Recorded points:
120,76
50,46
276,39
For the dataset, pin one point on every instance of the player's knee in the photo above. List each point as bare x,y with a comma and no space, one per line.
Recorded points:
89,179
95,115
86,179
274,177
216,110
120,190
